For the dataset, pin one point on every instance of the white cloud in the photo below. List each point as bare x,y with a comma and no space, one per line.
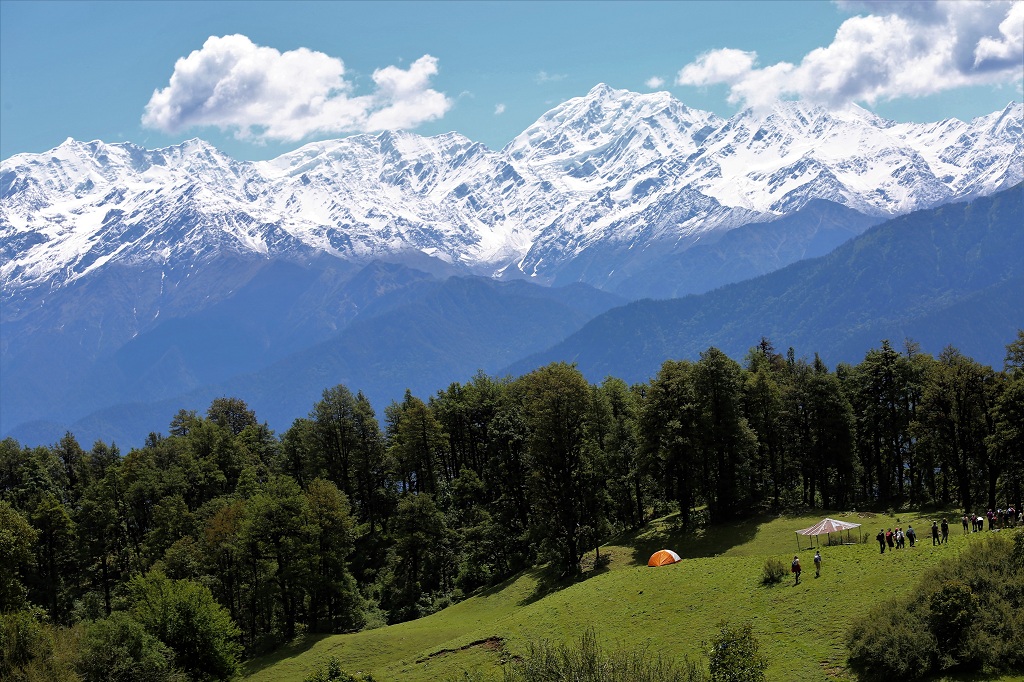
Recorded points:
897,49
499,109
263,94
655,82
545,77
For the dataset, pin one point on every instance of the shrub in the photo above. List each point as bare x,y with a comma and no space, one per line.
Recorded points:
892,642
774,571
184,615
332,672
735,655
965,614
118,648
32,649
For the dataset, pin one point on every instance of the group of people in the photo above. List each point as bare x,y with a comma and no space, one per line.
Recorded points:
896,539
997,518
796,568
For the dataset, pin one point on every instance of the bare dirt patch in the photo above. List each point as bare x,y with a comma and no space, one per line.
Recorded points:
495,644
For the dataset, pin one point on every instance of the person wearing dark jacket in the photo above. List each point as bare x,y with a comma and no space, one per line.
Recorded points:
935,533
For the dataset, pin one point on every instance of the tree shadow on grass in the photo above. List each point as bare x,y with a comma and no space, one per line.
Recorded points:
297,647
699,540
548,581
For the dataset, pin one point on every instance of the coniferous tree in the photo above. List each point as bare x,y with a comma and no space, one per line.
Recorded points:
668,424
725,441
772,471
953,423
556,401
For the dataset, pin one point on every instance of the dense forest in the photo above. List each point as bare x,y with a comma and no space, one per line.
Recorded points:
222,539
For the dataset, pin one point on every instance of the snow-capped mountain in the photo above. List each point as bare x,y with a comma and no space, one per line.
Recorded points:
613,172
137,276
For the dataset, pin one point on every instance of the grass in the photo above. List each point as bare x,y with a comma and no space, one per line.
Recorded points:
673,610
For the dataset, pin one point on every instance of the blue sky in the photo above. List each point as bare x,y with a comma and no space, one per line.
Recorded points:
257,79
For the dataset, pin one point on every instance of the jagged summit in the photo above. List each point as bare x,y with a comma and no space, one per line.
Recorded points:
611,172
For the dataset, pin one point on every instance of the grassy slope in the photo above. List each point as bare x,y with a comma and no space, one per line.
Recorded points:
672,610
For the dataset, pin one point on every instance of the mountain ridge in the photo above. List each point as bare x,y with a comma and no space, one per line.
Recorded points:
612,166
918,271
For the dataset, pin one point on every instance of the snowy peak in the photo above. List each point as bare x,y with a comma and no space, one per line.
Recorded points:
606,119
611,171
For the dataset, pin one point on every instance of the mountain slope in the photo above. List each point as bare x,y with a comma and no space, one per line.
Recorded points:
947,275
420,336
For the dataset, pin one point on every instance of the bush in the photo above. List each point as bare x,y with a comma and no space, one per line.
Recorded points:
118,649
892,642
184,615
965,613
332,672
32,649
774,571
735,655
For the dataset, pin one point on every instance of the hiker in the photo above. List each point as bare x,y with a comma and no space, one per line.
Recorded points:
899,538
796,569
911,535
964,521
935,533
888,539
945,531
881,539
817,563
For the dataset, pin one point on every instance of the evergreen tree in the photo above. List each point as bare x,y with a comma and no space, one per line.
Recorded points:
953,424
556,401
668,424
725,442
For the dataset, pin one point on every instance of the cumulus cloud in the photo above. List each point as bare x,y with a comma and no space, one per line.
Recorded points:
499,109
655,82
896,49
263,94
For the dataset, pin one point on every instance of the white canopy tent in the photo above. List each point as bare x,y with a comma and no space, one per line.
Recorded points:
826,527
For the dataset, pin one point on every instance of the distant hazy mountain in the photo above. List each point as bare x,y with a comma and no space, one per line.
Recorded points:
135,275
421,336
951,275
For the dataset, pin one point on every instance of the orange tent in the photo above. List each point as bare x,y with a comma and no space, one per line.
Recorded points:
663,557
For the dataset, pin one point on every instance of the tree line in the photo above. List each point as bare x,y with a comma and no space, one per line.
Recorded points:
350,519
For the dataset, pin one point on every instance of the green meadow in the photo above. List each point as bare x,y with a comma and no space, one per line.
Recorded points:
672,610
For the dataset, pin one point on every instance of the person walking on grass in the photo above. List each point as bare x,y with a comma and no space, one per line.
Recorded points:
817,563
935,533
911,535
964,521
796,569
945,531
881,540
